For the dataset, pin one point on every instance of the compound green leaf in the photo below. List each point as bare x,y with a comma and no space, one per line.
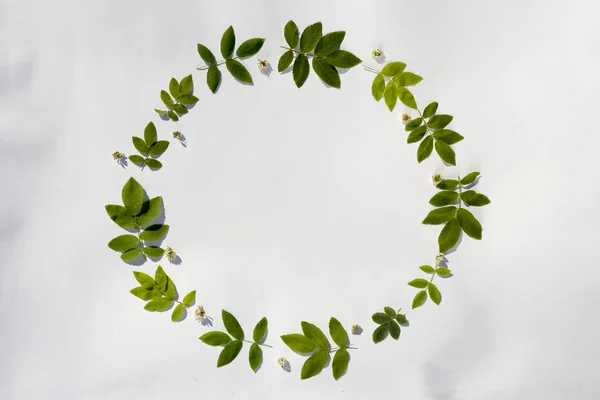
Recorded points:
416,134
419,283
389,95
342,59
186,86
154,232
447,136
393,68
238,71
326,72
177,313
469,178
406,79
120,216
300,70
285,61
250,47
425,149
439,121
228,43
140,145
430,110
255,356
310,37
229,353
329,43
123,243
445,152
337,332
419,299
339,365
469,224
298,343
406,97
449,235
260,330
381,333
215,338
472,198
291,34
314,364
434,294
158,304
158,148
132,195
232,325
207,56
378,87
440,215
213,78
315,334
394,330
443,198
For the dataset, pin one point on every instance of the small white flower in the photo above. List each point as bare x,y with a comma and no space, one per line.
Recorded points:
200,313
177,135
263,65
282,361
377,53
440,259
356,328
406,118
170,254
117,155
436,178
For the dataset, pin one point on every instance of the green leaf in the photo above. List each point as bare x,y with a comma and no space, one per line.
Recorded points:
132,195
162,113
472,198
140,145
394,330
440,215
343,59
434,294
430,110
228,43
314,364
298,343
406,97
143,279
173,116
393,68
150,211
229,353
329,43
425,149
419,299
161,279
381,333
154,251
339,365
142,293
390,311
152,163
150,134
177,312
260,330
378,87
443,271
401,319
213,78
238,71
250,47
406,79
413,124
443,198
315,334
326,72
416,134
337,332
189,99
419,283
138,160
291,34
389,95
158,148
428,269
439,121
285,61
255,356
449,235
159,304
207,56
171,291
166,98
445,152
469,178
469,224
310,37
381,318
186,86
232,325
447,184
174,87
447,136
215,338
300,70
180,109
119,215
123,243
190,298
154,232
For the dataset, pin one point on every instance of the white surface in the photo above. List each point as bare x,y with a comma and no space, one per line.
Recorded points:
300,204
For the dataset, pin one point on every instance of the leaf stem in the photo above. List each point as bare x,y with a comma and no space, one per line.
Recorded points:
260,344
459,193
139,233
340,347
296,51
371,69
207,66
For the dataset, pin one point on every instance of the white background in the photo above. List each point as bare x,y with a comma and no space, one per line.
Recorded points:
300,204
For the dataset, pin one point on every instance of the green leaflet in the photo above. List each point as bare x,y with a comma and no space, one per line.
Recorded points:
291,34
430,110
393,68
443,271
131,255
329,43
381,318
215,338
250,47
161,279
339,365
150,211
123,243
390,311
158,304
232,325
260,330
314,364
228,42
326,72
140,145
394,330
419,299
469,224
378,87
229,353
190,99
158,148
443,198
447,136
338,333
255,357
177,313
413,124
406,97
425,149
343,59
144,294
401,319
469,178
171,291
440,215
416,134
419,283
138,160
447,184
285,61
180,109
161,113
154,251
389,95
154,232
190,298
186,86
445,152
173,116
145,280
406,79
238,71
449,235
132,195
381,333
213,78
300,70
174,87
152,163
207,56
428,269
315,334
298,343
310,37
166,99
434,294
440,121
472,198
